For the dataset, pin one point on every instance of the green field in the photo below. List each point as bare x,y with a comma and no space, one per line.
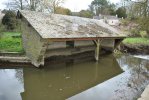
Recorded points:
136,41
10,42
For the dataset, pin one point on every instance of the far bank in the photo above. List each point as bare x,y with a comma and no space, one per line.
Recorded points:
136,45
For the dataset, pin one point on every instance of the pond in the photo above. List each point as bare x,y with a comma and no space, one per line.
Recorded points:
122,78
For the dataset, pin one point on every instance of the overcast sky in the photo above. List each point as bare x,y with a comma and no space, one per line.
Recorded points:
77,5
73,5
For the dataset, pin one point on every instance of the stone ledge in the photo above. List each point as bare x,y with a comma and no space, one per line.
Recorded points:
145,94
14,59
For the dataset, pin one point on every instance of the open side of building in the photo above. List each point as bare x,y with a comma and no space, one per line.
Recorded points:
47,35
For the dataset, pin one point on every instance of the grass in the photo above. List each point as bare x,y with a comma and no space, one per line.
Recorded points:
10,34
138,41
10,44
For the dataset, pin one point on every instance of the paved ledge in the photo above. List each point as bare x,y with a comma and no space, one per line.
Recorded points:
14,59
145,94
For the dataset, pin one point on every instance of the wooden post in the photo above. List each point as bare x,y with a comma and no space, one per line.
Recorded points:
97,50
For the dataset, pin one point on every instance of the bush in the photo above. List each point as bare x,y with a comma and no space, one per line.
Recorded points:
63,11
143,34
144,24
86,13
135,32
9,20
121,12
125,22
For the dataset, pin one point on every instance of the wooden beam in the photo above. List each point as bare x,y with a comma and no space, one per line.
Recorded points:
81,38
97,50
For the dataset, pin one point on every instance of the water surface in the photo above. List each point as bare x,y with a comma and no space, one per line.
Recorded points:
122,78
127,86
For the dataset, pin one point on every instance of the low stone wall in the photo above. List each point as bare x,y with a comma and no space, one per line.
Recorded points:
8,60
13,57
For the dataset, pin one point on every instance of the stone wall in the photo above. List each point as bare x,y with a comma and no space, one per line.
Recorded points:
60,48
108,44
33,44
84,43
37,49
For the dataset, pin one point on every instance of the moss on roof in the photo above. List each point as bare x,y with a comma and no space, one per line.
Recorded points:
63,26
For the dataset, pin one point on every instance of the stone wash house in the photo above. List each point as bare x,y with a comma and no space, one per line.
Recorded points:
47,35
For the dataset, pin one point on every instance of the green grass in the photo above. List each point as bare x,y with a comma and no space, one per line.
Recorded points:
10,44
10,34
138,41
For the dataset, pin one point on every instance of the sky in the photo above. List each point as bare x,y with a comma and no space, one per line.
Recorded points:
73,5
2,6
77,5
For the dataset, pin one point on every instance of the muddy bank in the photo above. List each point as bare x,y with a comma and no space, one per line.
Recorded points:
134,49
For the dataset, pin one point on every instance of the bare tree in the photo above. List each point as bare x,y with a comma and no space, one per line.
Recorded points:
34,5
51,5
16,4
141,8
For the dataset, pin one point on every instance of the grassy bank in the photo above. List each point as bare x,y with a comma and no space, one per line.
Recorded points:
10,42
136,41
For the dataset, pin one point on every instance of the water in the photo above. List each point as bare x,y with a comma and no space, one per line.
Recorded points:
126,86
142,56
122,78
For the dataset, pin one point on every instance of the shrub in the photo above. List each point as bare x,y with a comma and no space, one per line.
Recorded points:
143,34
121,12
134,32
125,22
86,13
63,11
9,20
144,24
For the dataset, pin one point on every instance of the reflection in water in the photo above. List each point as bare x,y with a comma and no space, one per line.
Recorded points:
11,84
121,79
126,86
58,82
133,80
